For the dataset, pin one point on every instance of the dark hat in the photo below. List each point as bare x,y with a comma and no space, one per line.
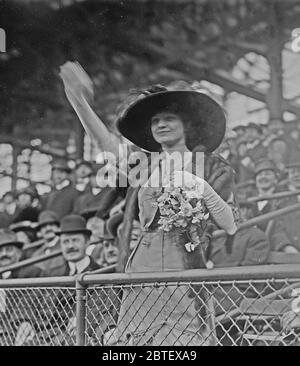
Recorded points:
206,115
73,224
113,222
31,190
47,217
8,237
23,226
294,160
61,164
87,213
27,214
265,164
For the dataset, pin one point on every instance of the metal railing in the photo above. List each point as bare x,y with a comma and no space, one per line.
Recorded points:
256,305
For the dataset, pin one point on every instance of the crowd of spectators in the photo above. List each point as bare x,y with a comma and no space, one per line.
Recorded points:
83,221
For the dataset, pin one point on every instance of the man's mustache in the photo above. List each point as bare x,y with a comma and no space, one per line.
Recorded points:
71,250
4,257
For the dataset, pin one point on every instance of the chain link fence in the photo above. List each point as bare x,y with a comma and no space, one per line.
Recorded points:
197,307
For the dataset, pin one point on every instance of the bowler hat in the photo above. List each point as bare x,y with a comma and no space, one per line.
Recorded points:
205,115
73,224
265,164
113,222
8,237
47,217
61,164
294,160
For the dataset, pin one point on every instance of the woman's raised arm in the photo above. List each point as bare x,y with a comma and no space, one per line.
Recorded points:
79,91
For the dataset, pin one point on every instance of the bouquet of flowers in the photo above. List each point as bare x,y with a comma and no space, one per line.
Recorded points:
183,208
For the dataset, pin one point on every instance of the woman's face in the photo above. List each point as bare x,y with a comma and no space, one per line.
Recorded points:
167,128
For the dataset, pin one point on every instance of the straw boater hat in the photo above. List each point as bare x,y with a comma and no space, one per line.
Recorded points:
206,116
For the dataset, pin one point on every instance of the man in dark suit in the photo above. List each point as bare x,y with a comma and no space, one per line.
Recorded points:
62,198
74,240
103,304
11,253
94,196
48,226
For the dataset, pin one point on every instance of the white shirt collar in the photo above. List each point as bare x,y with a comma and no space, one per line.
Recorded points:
80,265
62,185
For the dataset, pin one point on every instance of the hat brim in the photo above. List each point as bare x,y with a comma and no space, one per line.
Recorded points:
207,117
17,244
78,231
51,222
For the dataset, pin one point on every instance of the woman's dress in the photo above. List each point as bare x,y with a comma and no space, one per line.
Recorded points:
154,314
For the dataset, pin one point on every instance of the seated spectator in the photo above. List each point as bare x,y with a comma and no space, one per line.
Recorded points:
285,235
48,226
278,152
266,184
250,246
95,196
9,209
74,239
83,172
11,253
110,252
103,303
25,230
245,164
255,148
62,198
27,205
115,225
97,226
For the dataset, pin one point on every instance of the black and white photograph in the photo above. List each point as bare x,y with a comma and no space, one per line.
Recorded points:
149,175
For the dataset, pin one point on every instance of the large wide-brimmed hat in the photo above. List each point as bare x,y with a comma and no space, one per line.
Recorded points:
8,237
73,224
206,116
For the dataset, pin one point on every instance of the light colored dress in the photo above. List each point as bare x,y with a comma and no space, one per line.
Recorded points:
164,315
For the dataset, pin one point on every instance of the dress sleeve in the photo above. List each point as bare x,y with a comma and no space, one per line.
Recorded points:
219,209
